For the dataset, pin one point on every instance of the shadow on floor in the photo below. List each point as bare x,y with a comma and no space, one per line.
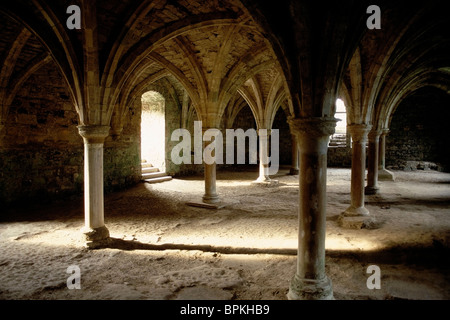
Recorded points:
437,255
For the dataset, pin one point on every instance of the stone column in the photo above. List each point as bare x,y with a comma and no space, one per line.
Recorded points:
210,195
383,174
310,281
94,138
263,155
359,134
294,167
372,166
264,178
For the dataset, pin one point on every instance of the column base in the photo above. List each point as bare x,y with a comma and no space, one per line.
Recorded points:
309,289
355,211
385,175
356,218
371,190
357,222
96,237
213,206
294,171
210,199
265,182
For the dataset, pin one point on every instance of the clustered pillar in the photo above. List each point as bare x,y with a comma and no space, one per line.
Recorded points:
94,229
310,281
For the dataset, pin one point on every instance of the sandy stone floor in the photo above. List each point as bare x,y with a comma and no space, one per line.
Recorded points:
164,249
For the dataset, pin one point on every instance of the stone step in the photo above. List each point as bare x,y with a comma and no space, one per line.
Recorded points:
159,179
153,175
146,165
149,170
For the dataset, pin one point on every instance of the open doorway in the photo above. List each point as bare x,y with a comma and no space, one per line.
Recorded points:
339,138
153,132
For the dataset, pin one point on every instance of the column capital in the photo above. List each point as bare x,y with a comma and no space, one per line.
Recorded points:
385,131
359,132
315,126
93,133
374,135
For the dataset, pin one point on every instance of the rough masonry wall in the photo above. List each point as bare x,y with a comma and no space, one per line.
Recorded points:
340,157
418,137
122,159
41,152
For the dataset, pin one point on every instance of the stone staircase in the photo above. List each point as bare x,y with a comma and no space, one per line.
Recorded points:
151,174
338,140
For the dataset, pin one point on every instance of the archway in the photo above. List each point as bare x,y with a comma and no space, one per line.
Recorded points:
153,133
419,125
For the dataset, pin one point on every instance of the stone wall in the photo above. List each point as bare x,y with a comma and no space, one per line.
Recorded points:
41,152
340,157
418,138
122,159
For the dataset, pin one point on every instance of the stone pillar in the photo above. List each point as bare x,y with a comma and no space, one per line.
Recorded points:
310,281
372,166
263,156
359,134
94,138
210,195
383,174
264,178
294,167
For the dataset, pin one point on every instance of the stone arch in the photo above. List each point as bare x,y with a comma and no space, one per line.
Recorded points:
27,53
419,124
417,80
